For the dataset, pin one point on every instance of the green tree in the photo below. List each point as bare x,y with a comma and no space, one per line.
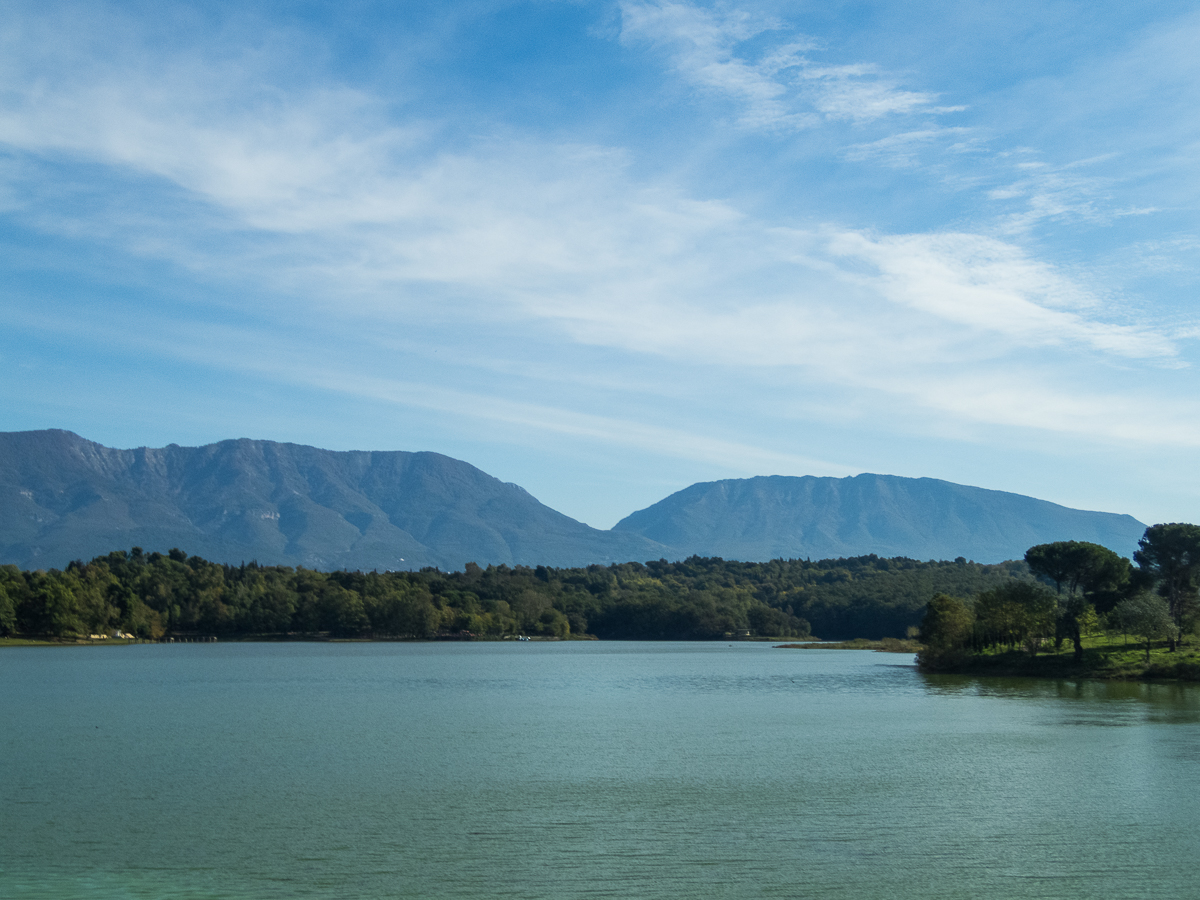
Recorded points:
1018,613
1170,553
552,623
271,608
58,607
1146,616
945,631
528,607
1085,570
8,613
342,611
94,588
15,585
405,609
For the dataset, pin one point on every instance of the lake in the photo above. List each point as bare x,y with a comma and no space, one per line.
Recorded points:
582,770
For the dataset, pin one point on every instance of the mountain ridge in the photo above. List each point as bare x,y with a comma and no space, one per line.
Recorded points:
63,497
887,515
279,503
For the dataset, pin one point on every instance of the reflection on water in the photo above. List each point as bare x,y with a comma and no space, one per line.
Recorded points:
1106,703
582,770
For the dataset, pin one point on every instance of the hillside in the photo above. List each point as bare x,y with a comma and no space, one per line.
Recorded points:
922,518
63,497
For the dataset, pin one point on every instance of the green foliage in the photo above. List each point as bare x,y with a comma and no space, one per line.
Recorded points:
945,631
1104,657
947,623
1147,616
877,598
1091,574
58,607
1015,614
155,594
8,613
1082,568
1169,554
1087,577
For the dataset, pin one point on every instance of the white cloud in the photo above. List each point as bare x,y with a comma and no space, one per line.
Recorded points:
862,93
701,44
988,285
275,357
323,197
904,150
782,89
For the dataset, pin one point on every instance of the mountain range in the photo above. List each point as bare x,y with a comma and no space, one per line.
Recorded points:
63,497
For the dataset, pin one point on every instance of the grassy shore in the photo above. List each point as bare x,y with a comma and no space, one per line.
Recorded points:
1105,656
886,645
30,642
62,642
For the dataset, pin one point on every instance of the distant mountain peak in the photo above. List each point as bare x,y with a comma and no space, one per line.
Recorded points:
775,516
282,503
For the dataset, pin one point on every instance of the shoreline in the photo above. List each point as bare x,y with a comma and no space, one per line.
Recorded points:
1105,663
1107,659
281,638
883,645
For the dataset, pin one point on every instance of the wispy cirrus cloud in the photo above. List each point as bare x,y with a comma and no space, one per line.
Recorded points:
1046,193
782,88
906,149
991,286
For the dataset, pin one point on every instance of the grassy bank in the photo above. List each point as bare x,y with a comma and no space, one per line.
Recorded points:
30,642
46,641
1104,657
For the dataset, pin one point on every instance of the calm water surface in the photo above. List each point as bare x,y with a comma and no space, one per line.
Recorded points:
631,770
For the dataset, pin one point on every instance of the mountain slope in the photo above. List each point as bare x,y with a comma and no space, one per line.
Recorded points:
922,518
63,497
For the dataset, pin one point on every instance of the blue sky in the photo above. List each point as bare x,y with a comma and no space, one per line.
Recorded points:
606,250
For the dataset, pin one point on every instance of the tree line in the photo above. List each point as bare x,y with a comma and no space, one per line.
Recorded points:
1084,588
156,595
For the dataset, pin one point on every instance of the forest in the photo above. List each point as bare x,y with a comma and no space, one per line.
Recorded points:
156,596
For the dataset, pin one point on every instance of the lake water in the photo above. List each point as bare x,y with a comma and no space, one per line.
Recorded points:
582,770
